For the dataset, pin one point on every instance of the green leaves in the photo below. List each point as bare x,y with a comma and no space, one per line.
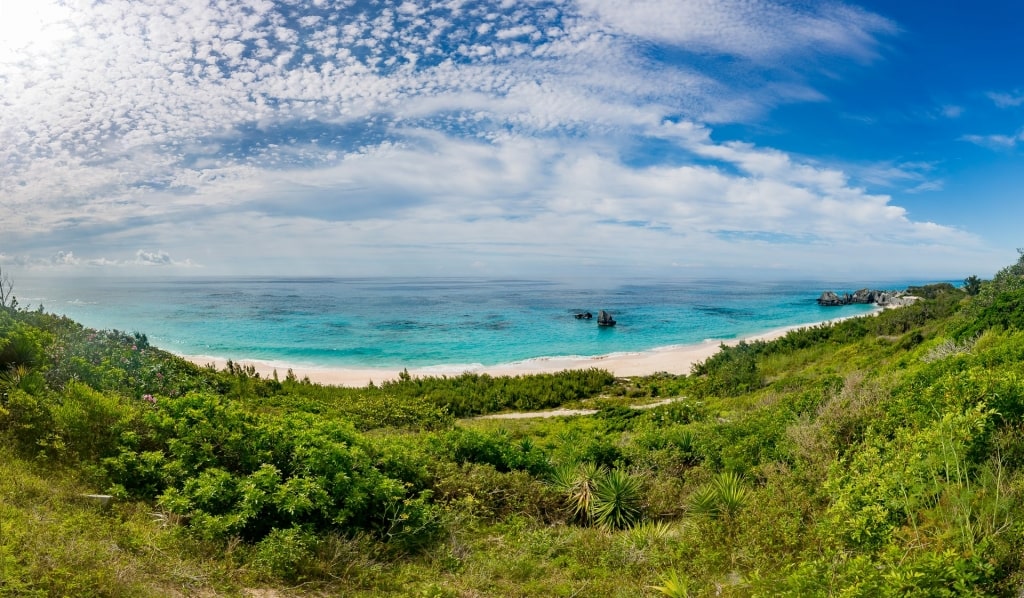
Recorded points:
673,585
579,483
616,503
477,394
724,497
608,499
732,371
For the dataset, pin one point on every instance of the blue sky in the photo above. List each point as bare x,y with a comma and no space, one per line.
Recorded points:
670,138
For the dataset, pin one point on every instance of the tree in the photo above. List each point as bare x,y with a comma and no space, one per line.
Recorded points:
1018,268
972,285
6,288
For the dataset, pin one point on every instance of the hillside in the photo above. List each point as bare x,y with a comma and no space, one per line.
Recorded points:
876,456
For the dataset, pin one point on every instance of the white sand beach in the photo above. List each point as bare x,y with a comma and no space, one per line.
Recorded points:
674,360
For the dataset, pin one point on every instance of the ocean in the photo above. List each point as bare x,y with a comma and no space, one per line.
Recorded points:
425,322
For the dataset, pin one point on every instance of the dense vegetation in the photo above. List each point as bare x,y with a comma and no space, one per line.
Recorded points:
877,456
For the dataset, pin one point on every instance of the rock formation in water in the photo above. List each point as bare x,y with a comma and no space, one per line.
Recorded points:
866,297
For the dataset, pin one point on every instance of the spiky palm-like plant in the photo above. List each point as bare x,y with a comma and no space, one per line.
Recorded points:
732,494
648,532
704,501
673,586
724,497
12,377
579,483
617,500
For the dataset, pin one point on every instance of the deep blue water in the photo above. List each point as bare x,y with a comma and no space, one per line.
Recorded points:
393,322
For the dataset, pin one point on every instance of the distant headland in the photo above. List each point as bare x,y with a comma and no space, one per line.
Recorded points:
867,297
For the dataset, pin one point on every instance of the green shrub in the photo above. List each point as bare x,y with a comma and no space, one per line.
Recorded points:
284,552
676,412
744,441
22,344
477,394
90,423
482,491
731,371
898,572
1004,311
886,483
465,445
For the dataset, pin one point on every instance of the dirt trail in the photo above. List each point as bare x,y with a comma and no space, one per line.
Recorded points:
565,412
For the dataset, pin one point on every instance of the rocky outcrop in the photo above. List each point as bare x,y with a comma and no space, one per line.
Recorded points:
896,300
830,299
866,297
605,319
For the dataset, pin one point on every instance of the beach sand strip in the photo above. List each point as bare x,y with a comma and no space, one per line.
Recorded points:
673,360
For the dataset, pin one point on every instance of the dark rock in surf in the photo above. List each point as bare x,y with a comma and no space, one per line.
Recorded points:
864,296
605,319
830,299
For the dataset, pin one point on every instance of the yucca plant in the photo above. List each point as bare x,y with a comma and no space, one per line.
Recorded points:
725,496
648,532
673,586
732,494
685,443
12,377
616,503
704,501
579,482
722,499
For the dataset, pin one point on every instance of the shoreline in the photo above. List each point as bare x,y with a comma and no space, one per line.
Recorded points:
674,359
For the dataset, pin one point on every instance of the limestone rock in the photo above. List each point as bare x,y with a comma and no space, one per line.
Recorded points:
830,299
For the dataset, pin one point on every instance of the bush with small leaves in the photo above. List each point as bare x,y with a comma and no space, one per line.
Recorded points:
283,552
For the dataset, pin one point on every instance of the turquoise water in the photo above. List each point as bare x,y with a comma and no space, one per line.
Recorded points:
390,322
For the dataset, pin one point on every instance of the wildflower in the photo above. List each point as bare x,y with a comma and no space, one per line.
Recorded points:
148,397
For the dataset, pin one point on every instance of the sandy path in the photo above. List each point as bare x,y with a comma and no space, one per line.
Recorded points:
673,360
563,412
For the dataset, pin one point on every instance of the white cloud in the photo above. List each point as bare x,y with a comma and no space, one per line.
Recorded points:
995,141
155,258
400,134
907,177
927,186
952,111
1007,100
757,29
559,207
66,258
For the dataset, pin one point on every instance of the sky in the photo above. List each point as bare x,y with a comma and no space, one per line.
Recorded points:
528,138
